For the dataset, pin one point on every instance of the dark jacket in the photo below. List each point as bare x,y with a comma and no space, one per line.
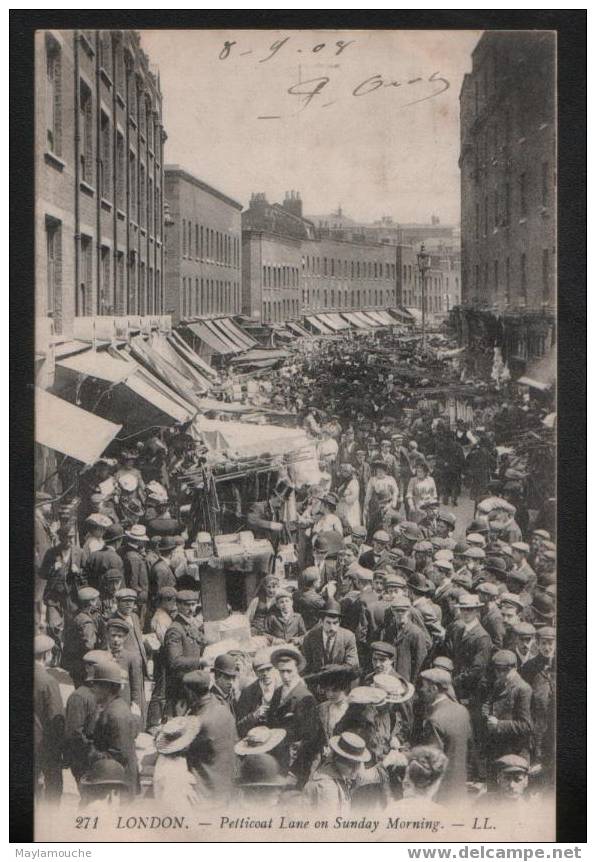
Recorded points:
447,726
309,605
410,643
210,756
134,640
542,679
471,652
114,736
183,645
278,628
492,622
133,690
298,716
99,563
511,703
248,703
62,579
81,710
48,712
343,652
136,573
160,575
85,632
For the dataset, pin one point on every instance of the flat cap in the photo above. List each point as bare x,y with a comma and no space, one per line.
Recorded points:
542,534
95,655
518,575
548,555
521,546
117,623
460,548
359,530
42,644
410,531
462,579
424,547
546,633
511,599
512,763
126,593
310,575
187,596
360,572
524,629
384,648
479,525
400,602
444,662
487,589
381,536
444,554
167,593
504,658
262,659
475,554
437,675
496,565
476,539
86,594
113,575
444,565
470,602
447,518
395,580
107,670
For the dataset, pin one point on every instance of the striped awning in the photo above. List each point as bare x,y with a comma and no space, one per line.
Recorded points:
319,326
212,337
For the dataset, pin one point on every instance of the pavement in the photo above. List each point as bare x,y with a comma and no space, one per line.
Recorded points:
463,512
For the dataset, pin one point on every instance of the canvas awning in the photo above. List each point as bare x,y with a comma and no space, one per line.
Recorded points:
337,320
189,355
101,365
70,430
316,324
401,314
416,314
385,318
260,355
376,315
235,333
160,344
328,321
143,352
534,384
220,327
212,339
352,318
298,329
366,315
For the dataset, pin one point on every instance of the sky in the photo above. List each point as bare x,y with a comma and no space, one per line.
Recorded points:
368,120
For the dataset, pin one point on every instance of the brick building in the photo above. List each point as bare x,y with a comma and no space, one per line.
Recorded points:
99,179
508,189
291,268
203,248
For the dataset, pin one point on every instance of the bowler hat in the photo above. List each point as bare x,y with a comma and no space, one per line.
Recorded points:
418,583
479,525
107,671
460,549
113,533
105,772
331,609
495,565
260,770
410,531
167,543
405,565
350,746
520,577
260,740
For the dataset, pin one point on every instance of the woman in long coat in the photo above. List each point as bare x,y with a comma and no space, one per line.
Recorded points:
348,507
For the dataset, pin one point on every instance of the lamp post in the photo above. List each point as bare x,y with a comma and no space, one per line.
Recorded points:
423,266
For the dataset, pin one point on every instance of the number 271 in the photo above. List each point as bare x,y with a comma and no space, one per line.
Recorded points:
87,822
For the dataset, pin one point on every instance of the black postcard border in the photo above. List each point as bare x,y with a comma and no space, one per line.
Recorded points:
571,29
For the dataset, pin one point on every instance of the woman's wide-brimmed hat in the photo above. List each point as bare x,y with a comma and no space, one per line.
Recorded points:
260,740
350,746
177,734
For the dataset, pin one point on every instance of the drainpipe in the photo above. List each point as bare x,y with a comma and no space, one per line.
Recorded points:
77,147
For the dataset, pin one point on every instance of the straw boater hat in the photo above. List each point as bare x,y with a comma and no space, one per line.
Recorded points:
367,694
138,533
260,740
350,746
397,689
177,734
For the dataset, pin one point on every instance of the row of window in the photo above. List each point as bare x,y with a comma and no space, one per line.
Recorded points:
209,296
276,310
209,244
435,303
112,180
323,298
280,276
356,269
496,208
496,279
121,289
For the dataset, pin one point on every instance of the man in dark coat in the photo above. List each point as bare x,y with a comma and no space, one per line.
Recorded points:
470,647
48,714
449,466
254,702
540,674
490,616
408,638
136,572
61,571
507,712
294,709
307,601
183,646
116,727
210,756
83,633
81,711
102,561
129,662
447,726
126,602
161,573
328,643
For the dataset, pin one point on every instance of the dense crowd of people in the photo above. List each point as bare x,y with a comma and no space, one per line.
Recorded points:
407,658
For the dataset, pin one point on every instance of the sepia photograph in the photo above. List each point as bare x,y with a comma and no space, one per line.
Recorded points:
295,518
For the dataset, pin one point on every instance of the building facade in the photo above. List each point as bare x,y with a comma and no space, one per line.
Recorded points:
508,189
291,268
203,248
99,144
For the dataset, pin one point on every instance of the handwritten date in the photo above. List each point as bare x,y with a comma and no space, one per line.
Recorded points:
337,47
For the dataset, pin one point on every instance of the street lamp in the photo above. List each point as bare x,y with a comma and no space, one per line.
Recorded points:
423,266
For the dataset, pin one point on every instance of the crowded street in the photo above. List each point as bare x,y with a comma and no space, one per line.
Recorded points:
336,585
